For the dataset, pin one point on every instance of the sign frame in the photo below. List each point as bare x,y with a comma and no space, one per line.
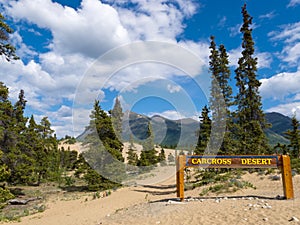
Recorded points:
235,161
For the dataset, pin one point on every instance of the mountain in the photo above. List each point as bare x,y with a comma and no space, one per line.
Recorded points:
183,133
280,123
167,132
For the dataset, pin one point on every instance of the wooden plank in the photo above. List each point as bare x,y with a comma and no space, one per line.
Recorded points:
180,176
287,177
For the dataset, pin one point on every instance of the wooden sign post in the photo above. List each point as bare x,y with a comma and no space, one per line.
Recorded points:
239,161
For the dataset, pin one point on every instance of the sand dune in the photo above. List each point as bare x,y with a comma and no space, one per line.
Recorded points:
157,204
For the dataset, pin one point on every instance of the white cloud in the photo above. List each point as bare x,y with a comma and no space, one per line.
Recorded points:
264,59
280,86
268,16
200,49
80,119
222,21
297,97
173,88
79,37
155,19
234,56
85,30
43,89
288,109
169,114
290,35
74,31
234,30
22,50
293,3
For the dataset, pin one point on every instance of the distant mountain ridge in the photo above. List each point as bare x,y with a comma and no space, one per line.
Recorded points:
280,123
166,132
183,132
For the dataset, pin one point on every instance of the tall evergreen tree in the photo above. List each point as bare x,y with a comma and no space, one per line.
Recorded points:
132,156
116,118
8,133
35,144
19,108
229,145
249,115
23,169
148,155
220,98
6,49
204,132
104,150
105,131
294,137
6,119
162,157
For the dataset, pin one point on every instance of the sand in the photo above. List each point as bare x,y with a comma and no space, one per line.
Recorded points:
153,201
157,204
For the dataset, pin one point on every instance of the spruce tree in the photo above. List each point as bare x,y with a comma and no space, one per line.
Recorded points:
5,194
105,131
204,132
5,110
224,78
24,169
229,145
6,49
132,156
104,149
162,157
116,118
220,98
19,108
249,115
7,121
148,155
46,152
13,141
8,134
294,137
35,145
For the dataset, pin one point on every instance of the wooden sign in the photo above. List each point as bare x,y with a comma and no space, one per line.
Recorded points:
240,161
232,161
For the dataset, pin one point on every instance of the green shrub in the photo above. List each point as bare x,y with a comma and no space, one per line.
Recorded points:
5,195
223,182
295,163
69,181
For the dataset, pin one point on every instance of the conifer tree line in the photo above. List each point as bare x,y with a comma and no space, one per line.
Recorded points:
29,150
245,119
107,127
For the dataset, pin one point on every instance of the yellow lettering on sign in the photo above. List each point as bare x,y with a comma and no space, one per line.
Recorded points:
195,161
212,161
256,161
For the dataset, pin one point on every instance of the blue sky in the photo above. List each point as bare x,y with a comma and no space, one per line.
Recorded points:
73,51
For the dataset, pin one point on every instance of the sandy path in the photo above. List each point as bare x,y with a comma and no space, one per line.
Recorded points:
151,204
247,206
